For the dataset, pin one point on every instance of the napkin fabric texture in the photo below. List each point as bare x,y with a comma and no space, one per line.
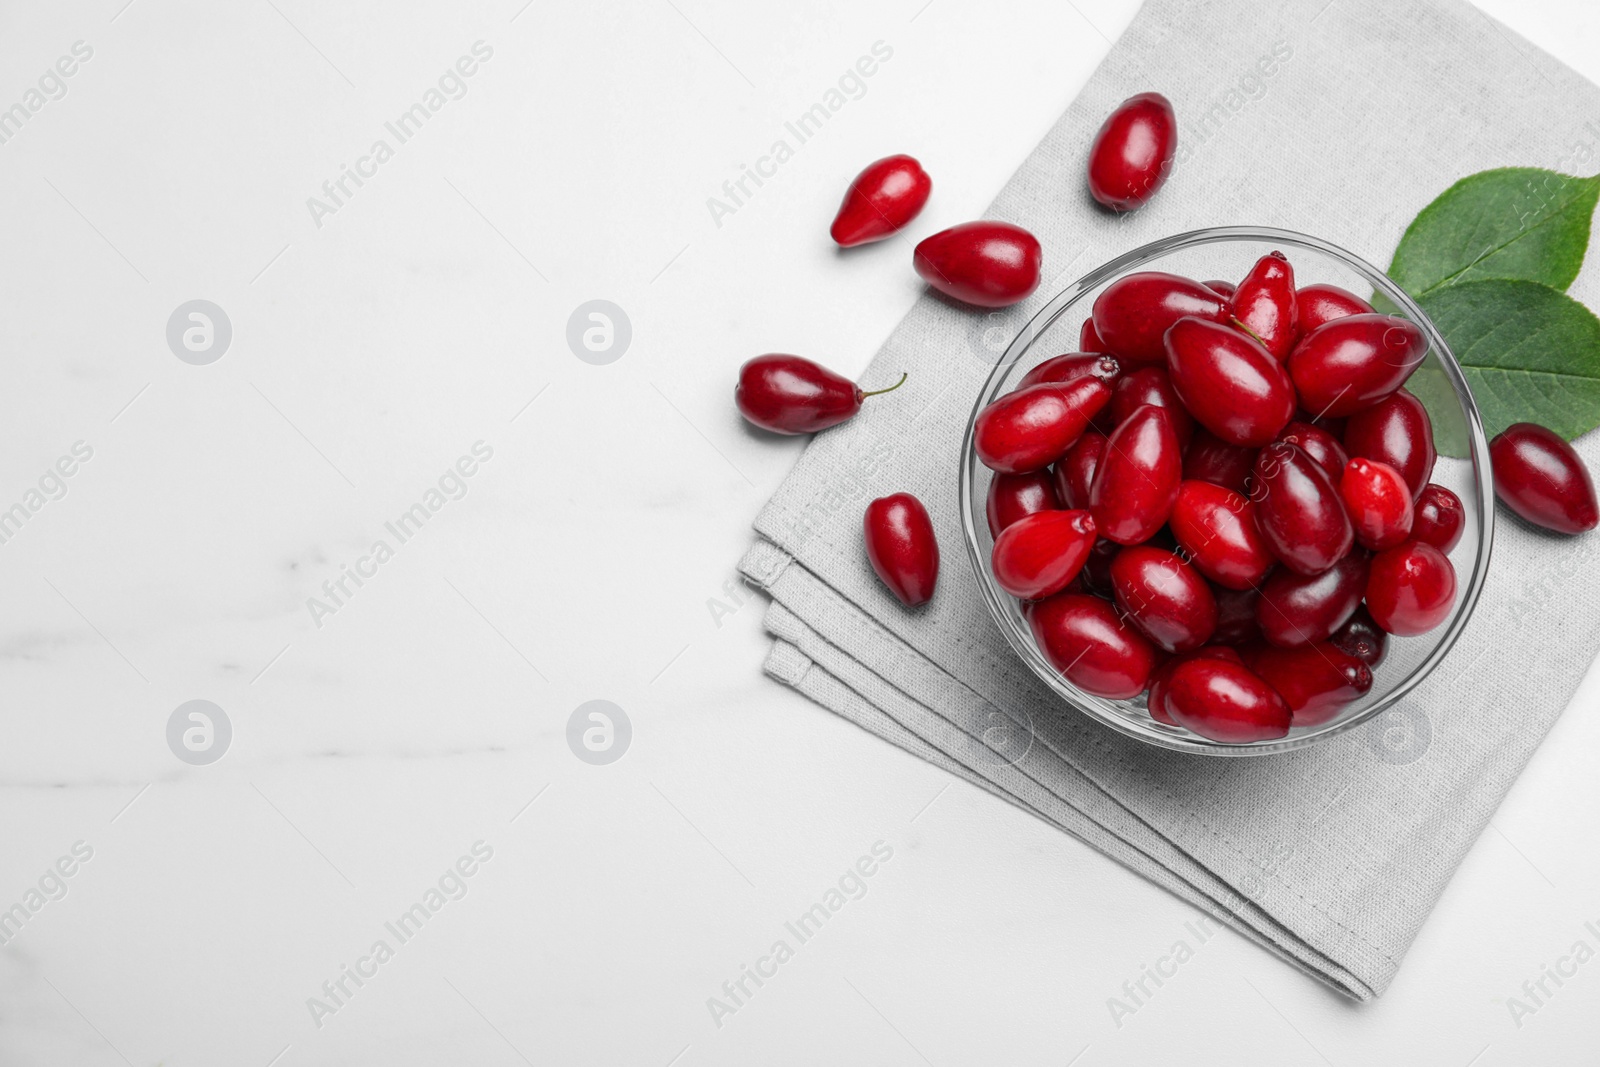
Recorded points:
1338,119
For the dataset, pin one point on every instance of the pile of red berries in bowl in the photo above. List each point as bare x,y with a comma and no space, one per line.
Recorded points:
1208,512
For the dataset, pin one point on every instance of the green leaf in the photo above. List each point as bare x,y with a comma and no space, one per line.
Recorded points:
1430,386
1529,352
1519,223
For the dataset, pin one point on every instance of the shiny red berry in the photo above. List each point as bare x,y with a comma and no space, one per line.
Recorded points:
1084,638
1378,503
1156,698
1132,152
1296,609
1316,681
1089,340
1073,473
1040,554
1230,384
1301,516
1350,364
1265,305
1032,428
1225,701
1150,385
1221,288
1396,431
901,547
1440,517
1321,445
1014,496
1133,313
1216,528
883,198
1410,589
1542,478
791,395
1136,482
989,264
1319,304
1361,637
1066,367
1208,459
1165,597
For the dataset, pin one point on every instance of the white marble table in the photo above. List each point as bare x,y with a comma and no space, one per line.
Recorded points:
402,739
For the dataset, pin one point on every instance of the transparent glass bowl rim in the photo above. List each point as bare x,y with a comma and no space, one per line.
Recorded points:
1482,509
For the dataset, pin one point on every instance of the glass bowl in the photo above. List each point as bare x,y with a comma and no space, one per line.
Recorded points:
1228,252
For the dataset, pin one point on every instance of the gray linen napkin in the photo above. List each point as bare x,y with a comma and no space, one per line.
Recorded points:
1340,120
